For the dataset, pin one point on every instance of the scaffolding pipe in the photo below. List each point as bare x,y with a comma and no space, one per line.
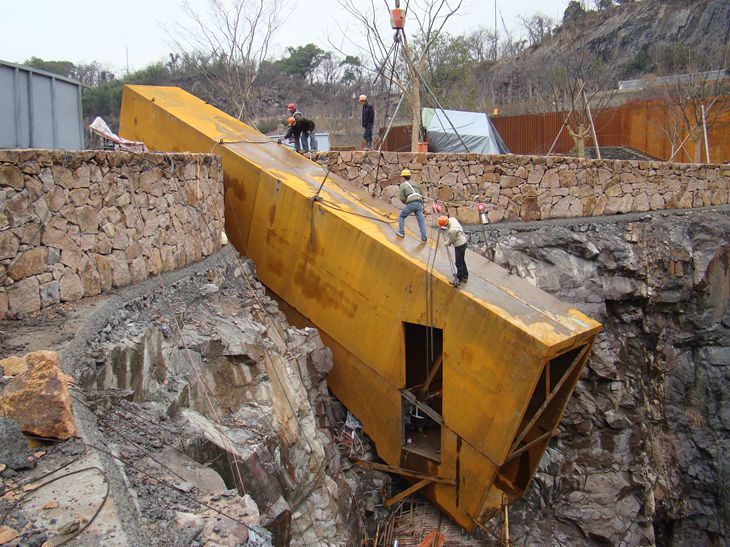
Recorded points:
590,118
704,130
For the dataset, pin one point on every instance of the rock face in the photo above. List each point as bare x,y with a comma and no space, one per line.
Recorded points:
227,382
622,36
39,398
641,457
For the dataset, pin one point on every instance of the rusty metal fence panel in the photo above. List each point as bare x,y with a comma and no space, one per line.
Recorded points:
642,125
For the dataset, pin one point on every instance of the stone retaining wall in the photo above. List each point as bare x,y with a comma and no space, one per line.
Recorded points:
75,224
537,187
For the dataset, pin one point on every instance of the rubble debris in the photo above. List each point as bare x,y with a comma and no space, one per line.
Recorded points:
7,534
14,451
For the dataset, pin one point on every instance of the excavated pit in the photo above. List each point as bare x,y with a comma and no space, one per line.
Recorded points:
639,458
222,383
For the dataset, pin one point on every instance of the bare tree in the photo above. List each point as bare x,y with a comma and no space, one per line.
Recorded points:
537,26
227,44
430,17
694,85
573,82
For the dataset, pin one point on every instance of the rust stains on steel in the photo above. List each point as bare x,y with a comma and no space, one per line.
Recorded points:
464,385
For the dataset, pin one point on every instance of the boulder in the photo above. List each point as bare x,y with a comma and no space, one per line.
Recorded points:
12,366
39,398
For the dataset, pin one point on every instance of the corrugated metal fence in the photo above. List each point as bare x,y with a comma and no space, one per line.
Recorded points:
39,109
643,125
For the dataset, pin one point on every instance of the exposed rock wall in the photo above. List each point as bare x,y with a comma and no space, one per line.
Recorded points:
536,187
643,448
75,224
245,392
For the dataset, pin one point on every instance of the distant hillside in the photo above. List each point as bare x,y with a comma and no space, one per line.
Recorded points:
623,42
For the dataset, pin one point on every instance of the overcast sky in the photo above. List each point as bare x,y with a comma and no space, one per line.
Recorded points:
113,33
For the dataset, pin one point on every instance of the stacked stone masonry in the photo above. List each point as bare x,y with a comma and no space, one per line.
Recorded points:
536,187
75,224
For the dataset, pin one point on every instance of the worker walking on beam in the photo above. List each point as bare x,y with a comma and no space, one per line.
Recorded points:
412,196
454,235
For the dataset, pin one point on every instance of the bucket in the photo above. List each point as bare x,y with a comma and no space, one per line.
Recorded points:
397,18
423,147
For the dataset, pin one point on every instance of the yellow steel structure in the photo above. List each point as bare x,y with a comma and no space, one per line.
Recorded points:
500,356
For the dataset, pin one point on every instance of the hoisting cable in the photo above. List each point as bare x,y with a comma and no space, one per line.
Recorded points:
428,88
396,44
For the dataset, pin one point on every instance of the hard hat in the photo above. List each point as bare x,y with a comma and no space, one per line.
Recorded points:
291,120
292,107
405,173
362,98
443,221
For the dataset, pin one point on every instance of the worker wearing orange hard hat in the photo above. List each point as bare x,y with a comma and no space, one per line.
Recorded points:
368,120
299,131
454,235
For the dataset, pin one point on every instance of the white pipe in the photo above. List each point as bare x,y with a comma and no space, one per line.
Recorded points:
704,127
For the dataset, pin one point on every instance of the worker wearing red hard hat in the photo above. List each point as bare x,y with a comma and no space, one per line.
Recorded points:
368,120
307,137
454,235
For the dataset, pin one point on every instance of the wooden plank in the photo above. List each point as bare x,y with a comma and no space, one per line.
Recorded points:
540,410
431,374
407,492
404,472
427,410
527,446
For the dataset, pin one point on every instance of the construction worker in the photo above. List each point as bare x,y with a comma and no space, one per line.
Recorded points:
368,120
454,235
308,139
295,131
293,112
412,196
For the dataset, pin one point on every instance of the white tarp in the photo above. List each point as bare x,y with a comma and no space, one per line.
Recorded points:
458,131
100,127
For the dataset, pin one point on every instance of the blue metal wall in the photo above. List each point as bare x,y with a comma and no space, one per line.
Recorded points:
39,109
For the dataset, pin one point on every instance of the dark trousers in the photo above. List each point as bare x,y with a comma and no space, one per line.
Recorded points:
309,141
461,272
368,136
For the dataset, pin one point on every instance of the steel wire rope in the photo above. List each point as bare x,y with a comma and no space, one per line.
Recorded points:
162,465
164,293
395,49
63,476
134,443
168,485
322,467
142,428
428,88
22,484
151,457
233,463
